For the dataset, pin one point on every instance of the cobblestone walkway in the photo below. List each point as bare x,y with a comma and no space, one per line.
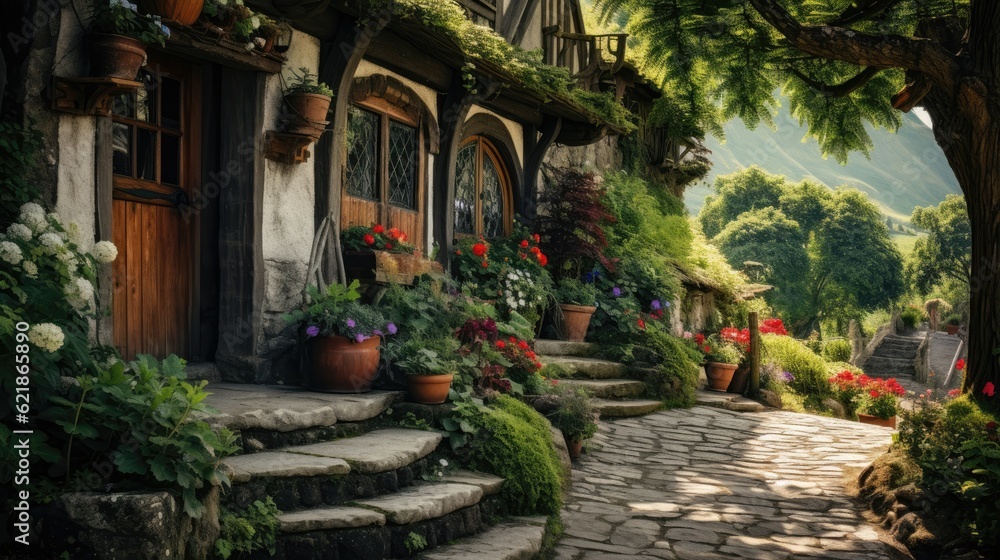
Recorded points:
706,483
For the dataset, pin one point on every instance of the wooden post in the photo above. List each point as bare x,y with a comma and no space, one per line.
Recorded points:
754,386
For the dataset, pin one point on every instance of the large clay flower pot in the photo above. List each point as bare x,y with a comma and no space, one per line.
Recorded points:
429,389
184,12
312,107
576,320
719,375
876,421
340,365
115,56
575,448
952,329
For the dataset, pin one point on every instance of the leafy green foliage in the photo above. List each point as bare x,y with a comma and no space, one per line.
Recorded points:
414,542
255,528
337,311
19,149
750,189
575,415
121,18
838,350
514,441
791,355
946,251
428,357
677,369
911,316
605,105
576,292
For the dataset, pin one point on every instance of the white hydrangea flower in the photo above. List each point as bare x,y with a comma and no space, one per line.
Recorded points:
73,233
19,231
10,252
80,294
444,462
46,336
105,252
51,242
30,269
255,22
33,216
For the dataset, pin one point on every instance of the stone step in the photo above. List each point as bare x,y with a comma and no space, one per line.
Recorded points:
729,401
588,368
286,408
375,452
881,365
424,501
282,464
327,518
488,483
624,409
607,388
901,353
518,539
563,348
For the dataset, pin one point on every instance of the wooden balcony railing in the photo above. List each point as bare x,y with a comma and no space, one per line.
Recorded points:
600,56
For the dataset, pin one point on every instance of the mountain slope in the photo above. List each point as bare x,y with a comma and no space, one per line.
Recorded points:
906,169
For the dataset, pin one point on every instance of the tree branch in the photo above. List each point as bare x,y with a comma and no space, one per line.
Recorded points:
840,90
882,51
866,10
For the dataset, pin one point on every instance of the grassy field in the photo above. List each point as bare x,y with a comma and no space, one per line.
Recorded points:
904,242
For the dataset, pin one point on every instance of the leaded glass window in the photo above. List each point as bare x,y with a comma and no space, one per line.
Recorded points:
403,165
482,191
362,154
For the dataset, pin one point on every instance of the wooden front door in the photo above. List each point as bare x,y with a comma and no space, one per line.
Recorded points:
155,135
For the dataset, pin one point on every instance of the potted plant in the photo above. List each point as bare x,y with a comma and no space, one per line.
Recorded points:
576,417
184,12
578,302
878,401
345,338
308,99
952,323
429,366
379,253
722,357
117,39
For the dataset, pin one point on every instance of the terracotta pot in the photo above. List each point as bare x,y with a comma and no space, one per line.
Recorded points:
184,12
740,379
429,389
576,320
575,448
876,421
115,56
340,365
952,329
719,375
312,107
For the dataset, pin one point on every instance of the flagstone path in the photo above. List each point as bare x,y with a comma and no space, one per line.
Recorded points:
707,483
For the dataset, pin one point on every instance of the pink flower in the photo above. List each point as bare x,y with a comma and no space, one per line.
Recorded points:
988,389
954,393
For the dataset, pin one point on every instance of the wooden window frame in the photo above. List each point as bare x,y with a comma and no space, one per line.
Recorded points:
387,112
486,148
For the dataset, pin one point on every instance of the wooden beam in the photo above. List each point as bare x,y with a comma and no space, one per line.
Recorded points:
753,388
394,53
536,148
241,260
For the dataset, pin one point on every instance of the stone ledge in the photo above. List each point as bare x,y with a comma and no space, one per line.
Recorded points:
425,501
376,452
515,540
242,468
328,518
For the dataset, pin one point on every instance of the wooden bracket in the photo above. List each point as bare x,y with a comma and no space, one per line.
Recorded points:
87,96
286,147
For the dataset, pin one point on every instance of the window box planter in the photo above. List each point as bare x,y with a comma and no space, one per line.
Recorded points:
385,267
340,365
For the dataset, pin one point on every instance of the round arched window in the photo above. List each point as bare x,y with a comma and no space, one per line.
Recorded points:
482,191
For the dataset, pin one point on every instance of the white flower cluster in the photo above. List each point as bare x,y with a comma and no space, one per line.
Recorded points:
51,242
30,269
10,252
105,252
46,336
19,231
33,216
80,294
518,289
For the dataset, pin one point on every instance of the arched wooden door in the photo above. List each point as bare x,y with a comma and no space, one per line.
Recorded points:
483,197
155,135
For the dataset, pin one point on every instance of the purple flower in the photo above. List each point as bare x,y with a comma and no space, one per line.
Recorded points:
391,328
655,305
787,377
312,331
351,323
359,337
616,291
377,332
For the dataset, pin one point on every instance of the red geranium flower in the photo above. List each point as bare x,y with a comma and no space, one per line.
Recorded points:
486,264
458,252
388,246
524,244
479,249
523,255
960,364
699,339
394,233
989,389
402,236
369,239
501,344
378,228
536,237
543,260
522,345
642,324
535,250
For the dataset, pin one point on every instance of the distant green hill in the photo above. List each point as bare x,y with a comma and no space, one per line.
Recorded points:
906,169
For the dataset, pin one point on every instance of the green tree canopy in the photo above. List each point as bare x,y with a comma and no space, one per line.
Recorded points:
946,251
737,193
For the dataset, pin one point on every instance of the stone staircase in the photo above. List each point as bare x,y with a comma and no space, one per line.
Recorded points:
895,356
350,487
615,396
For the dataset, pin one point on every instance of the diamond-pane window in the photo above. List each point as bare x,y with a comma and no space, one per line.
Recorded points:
465,191
492,200
362,154
402,165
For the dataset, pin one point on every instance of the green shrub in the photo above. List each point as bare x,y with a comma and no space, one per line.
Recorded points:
514,441
833,368
837,350
677,372
575,416
911,317
19,149
791,355
255,528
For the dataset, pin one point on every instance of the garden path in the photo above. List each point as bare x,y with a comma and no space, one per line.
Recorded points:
708,483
